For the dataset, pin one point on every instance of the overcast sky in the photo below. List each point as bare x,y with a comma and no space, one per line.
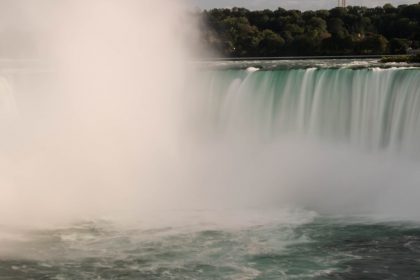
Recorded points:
292,4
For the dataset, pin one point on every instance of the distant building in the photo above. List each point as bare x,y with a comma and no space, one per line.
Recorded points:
413,51
342,3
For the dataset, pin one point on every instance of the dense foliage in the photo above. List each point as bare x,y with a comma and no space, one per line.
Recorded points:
402,58
239,32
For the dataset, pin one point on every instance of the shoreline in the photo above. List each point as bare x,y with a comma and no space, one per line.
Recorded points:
274,58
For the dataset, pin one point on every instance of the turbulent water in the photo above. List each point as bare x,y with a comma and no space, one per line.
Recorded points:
293,245
245,111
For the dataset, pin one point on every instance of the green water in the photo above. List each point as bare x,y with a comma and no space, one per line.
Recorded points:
321,248
244,115
371,108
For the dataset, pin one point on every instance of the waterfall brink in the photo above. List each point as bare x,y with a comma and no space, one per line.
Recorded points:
375,109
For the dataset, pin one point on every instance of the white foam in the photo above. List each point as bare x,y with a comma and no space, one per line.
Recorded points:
252,69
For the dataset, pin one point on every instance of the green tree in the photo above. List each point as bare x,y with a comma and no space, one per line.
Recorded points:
399,46
271,43
374,44
351,30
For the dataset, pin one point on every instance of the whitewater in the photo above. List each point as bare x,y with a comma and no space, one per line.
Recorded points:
373,108
123,157
302,170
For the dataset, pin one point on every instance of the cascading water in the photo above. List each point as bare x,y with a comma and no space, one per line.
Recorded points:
266,148
336,137
375,109
113,168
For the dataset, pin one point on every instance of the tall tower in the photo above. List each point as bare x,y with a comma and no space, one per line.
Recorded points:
342,3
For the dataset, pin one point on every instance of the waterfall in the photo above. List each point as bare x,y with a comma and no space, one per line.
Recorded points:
371,108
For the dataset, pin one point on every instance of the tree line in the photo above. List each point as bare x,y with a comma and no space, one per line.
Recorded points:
353,30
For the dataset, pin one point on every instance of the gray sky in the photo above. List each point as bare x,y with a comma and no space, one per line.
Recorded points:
292,4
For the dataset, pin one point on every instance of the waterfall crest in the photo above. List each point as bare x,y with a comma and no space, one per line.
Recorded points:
372,108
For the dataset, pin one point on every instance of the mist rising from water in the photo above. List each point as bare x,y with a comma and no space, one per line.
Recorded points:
103,134
338,141
111,130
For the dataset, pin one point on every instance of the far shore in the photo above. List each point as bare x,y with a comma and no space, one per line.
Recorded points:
301,57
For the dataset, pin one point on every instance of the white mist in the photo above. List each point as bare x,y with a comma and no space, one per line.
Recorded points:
103,134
